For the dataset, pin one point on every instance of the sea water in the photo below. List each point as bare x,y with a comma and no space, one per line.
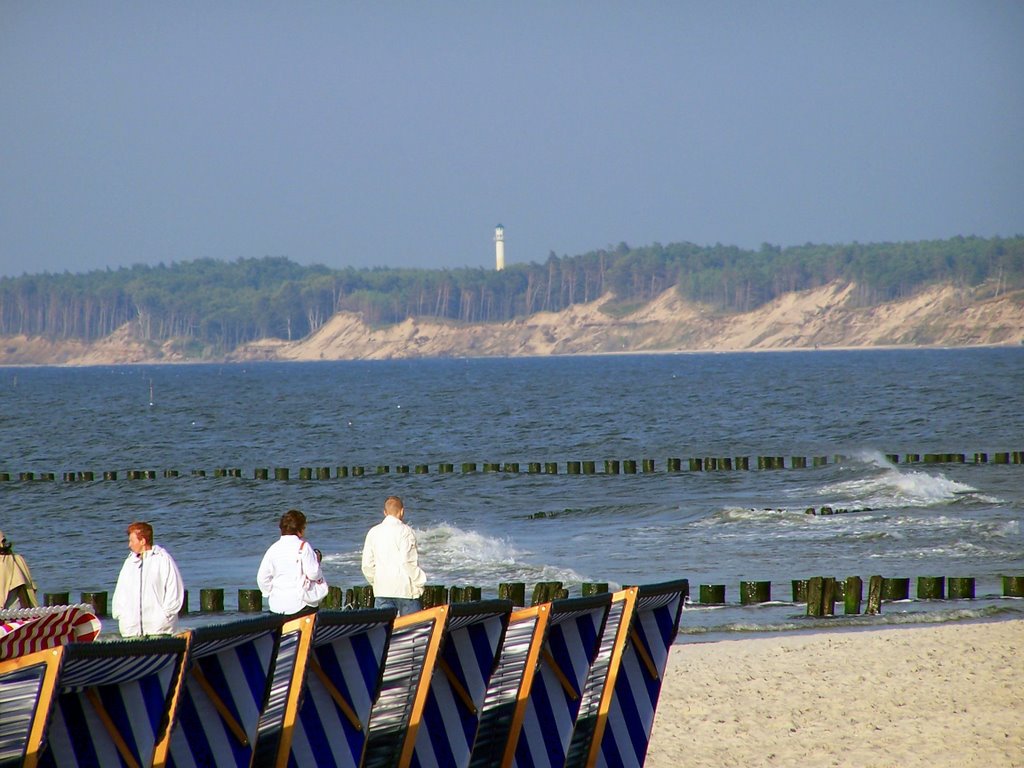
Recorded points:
854,408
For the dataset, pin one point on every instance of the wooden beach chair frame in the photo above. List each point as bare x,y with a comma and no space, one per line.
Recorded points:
328,723
530,672
471,643
425,669
614,727
110,702
239,680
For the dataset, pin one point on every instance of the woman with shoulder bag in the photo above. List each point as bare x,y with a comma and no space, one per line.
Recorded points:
289,575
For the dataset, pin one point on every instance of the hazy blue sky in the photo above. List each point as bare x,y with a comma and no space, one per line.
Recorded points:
399,134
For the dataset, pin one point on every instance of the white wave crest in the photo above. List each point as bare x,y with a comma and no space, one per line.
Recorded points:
747,514
448,543
896,488
449,554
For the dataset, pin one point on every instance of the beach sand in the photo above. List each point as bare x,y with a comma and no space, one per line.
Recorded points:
942,695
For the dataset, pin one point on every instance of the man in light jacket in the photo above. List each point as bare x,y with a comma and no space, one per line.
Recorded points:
391,562
149,591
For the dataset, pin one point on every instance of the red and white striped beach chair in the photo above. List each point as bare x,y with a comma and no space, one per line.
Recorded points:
27,630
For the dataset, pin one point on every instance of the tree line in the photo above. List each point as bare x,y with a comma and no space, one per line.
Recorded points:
218,305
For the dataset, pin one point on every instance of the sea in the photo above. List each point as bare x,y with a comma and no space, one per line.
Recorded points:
183,446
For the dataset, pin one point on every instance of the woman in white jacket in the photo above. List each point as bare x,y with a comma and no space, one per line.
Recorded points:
149,591
287,565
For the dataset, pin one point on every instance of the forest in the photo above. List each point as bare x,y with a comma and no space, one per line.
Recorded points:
218,305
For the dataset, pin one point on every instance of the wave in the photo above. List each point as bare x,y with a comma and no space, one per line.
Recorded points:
891,490
890,486
753,514
612,513
452,555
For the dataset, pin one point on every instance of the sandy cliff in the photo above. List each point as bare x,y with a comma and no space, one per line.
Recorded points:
820,318
943,316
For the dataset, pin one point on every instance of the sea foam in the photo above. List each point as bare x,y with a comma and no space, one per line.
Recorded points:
892,487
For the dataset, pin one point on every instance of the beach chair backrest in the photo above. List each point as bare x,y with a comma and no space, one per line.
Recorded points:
623,603
90,703
227,685
470,646
394,718
277,719
503,691
534,698
617,714
342,681
27,687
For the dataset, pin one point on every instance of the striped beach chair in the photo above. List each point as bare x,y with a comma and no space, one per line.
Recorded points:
534,697
237,685
342,680
621,694
89,704
438,668
27,630
470,647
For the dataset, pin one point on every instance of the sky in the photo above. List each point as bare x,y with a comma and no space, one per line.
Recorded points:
398,134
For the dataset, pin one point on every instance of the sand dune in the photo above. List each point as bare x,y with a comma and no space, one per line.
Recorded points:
823,318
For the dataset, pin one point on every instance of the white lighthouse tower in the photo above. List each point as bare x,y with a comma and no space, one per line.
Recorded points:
499,247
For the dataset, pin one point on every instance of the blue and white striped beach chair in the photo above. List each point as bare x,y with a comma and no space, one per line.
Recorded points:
438,666
89,704
342,680
534,697
621,695
236,690
470,647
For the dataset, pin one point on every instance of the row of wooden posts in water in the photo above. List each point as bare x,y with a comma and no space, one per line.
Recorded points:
211,600
611,467
820,593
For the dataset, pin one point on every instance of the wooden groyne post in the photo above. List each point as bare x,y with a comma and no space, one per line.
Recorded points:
852,595
546,591
211,600
753,592
1013,586
514,591
895,589
931,587
874,595
98,600
711,594
821,596
250,601
960,587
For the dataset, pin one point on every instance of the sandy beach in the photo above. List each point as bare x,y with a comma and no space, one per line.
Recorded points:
946,695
